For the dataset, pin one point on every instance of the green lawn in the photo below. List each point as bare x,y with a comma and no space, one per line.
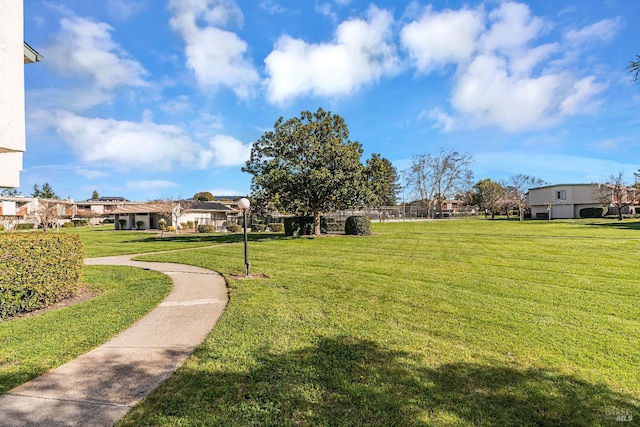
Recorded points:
31,346
104,240
467,322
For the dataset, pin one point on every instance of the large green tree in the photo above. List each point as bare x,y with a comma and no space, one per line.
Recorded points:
308,165
381,179
204,196
489,195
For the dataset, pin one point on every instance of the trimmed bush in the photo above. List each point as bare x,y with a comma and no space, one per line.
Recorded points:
591,212
302,226
190,225
276,227
69,224
206,228
37,270
234,228
258,227
357,226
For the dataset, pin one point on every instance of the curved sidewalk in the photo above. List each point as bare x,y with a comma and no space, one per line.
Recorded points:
101,386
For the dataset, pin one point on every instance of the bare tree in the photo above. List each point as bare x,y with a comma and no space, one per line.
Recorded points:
634,67
8,222
48,213
516,189
173,210
616,193
435,179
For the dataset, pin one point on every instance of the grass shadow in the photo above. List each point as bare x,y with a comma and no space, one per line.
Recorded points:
346,381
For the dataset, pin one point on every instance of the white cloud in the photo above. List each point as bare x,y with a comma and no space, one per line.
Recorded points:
145,145
151,186
85,48
603,30
90,173
443,120
123,10
579,100
361,53
512,28
502,78
216,56
125,144
225,150
437,39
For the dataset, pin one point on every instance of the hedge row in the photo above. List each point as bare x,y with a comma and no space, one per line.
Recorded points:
592,212
37,270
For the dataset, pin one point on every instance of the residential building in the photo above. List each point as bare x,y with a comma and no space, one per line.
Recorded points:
97,210
145,216
14,53
563,200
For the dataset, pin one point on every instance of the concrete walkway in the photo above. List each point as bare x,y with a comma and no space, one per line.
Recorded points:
101,386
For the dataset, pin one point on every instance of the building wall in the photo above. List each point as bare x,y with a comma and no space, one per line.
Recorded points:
566,200
12,115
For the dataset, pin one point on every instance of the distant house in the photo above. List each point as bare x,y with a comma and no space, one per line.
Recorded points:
18,210
209,213
14,53
97,210
148,215
563,200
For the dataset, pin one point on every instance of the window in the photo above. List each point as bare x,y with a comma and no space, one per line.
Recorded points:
561,195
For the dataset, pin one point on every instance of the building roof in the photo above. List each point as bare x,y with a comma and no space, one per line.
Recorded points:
138,208
209,206
30,54
562,185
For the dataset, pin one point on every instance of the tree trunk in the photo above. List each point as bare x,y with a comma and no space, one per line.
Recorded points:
316,223
620,213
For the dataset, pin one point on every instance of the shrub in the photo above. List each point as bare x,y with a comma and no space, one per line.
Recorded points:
591,212
357,226
122,222
25,226
139,224
190,225
302,226
69,224
1,227
258,227
205,228
108,221
276,227
171,228
37,270
234,228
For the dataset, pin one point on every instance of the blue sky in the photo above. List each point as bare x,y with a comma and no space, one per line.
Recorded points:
154,99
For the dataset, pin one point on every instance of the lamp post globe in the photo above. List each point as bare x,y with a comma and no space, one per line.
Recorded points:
244,204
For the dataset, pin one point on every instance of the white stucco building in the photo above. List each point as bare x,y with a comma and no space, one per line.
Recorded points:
564,200
14,53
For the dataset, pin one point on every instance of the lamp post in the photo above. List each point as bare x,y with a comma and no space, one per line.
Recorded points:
244,204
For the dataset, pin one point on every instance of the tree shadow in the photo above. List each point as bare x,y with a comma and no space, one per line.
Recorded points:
617,224
213,239
345,381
